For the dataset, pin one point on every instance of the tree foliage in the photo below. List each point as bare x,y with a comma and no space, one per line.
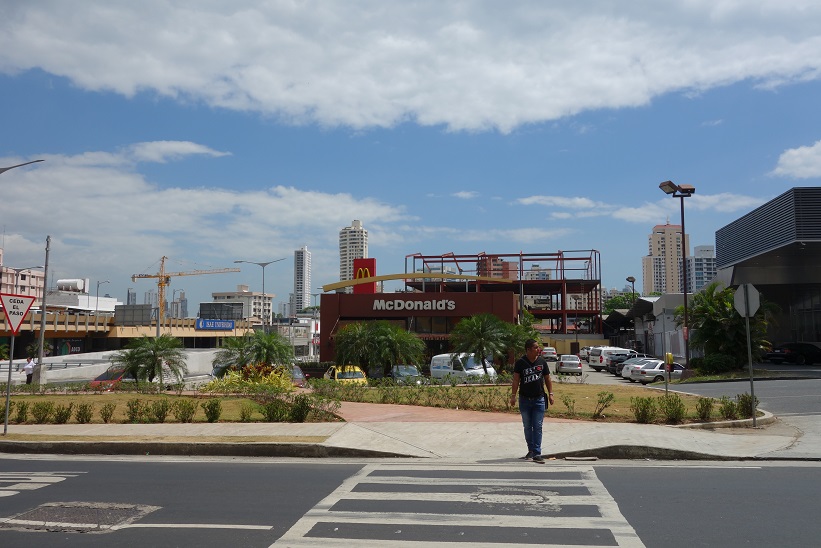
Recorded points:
483,335
624,301
377,344
717,328
149,357
259,348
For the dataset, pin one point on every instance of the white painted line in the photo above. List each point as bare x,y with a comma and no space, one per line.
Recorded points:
192,526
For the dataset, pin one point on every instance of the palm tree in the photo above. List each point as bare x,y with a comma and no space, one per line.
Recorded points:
147,357
269,349
235,352
483,335
377,343
717,328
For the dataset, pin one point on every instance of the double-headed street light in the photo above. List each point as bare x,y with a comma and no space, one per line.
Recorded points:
681,192
5,169
263,265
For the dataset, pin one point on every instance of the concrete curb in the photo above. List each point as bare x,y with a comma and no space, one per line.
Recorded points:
201,449
767,418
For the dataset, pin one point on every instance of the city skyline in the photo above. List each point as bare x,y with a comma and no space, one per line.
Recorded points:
447,127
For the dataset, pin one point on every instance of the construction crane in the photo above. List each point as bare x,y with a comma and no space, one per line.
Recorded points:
164,278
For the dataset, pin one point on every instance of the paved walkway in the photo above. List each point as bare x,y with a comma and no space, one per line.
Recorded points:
382,430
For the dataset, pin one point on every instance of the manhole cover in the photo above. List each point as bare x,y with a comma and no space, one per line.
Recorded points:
87,517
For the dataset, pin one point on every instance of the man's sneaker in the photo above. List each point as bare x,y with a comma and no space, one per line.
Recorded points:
538,458
530,455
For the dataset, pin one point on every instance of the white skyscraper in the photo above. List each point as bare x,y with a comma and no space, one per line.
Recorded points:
302,279
353,244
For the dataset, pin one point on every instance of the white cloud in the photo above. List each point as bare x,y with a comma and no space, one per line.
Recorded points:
163,151
577,203
467,66
800,163
466,194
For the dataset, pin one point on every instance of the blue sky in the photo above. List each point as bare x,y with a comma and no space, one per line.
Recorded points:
212,131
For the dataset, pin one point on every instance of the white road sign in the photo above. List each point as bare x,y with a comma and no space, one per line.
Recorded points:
15,307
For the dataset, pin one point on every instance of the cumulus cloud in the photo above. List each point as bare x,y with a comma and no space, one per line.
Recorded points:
800,163
467,66
466,194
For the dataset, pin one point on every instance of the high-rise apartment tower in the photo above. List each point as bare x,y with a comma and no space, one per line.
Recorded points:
353,244
302,279
662,267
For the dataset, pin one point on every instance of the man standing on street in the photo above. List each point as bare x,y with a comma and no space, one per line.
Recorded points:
530,378
28,369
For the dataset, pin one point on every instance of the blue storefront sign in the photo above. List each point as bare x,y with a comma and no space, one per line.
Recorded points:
215,325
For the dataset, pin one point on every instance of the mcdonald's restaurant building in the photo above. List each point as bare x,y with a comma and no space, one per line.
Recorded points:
431,316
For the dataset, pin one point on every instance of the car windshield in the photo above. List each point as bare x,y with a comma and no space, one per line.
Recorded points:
570,358
469,363
405,370
297,373
349,374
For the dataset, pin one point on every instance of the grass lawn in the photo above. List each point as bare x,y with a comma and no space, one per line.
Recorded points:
572,400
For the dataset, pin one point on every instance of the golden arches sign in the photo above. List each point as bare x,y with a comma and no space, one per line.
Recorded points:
412,276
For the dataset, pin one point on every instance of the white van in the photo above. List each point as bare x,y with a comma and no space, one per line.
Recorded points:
597,356
458,365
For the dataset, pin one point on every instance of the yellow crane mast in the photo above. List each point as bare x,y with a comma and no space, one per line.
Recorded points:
164,279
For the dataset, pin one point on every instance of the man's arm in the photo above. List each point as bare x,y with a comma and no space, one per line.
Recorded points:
515,386
549,384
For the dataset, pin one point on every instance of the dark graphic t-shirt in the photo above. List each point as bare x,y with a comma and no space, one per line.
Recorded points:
531,376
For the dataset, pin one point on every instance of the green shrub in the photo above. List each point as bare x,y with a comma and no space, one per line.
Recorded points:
644,409
246,412
42,411
275,410
569,402
672,407
704,409
300,408
84,413
3,410
158,411
135,410
107,411
727,408
184,409
213,409
716,364
745,405
604,401
63,412
22,412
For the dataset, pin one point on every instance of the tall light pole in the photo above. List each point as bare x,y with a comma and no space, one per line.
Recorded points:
632,281
97,301
263,265
681,192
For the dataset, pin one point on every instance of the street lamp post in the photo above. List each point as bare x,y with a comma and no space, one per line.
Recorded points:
681,192
97,299
263,265
632,281
5,169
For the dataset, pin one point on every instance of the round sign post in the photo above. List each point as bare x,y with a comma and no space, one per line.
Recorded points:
746,301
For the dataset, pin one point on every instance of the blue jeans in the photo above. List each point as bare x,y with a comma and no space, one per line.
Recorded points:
532,410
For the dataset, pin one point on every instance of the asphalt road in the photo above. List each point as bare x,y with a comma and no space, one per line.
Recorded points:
250,503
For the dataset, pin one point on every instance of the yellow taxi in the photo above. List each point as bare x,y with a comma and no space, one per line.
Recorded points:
351,374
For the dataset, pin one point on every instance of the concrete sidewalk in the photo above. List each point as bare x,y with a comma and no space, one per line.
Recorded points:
382,430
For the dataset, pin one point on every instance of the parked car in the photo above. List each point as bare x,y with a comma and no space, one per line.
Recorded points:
549,354
569,364
655,371
599,353
627,366
618,364
298,377
406,374
111,378
798,353
584,351
351,374
463,366
612,360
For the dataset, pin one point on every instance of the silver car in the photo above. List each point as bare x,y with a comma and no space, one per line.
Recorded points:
655,372
632,364
569,364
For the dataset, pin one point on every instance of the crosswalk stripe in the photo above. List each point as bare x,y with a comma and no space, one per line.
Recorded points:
484,505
